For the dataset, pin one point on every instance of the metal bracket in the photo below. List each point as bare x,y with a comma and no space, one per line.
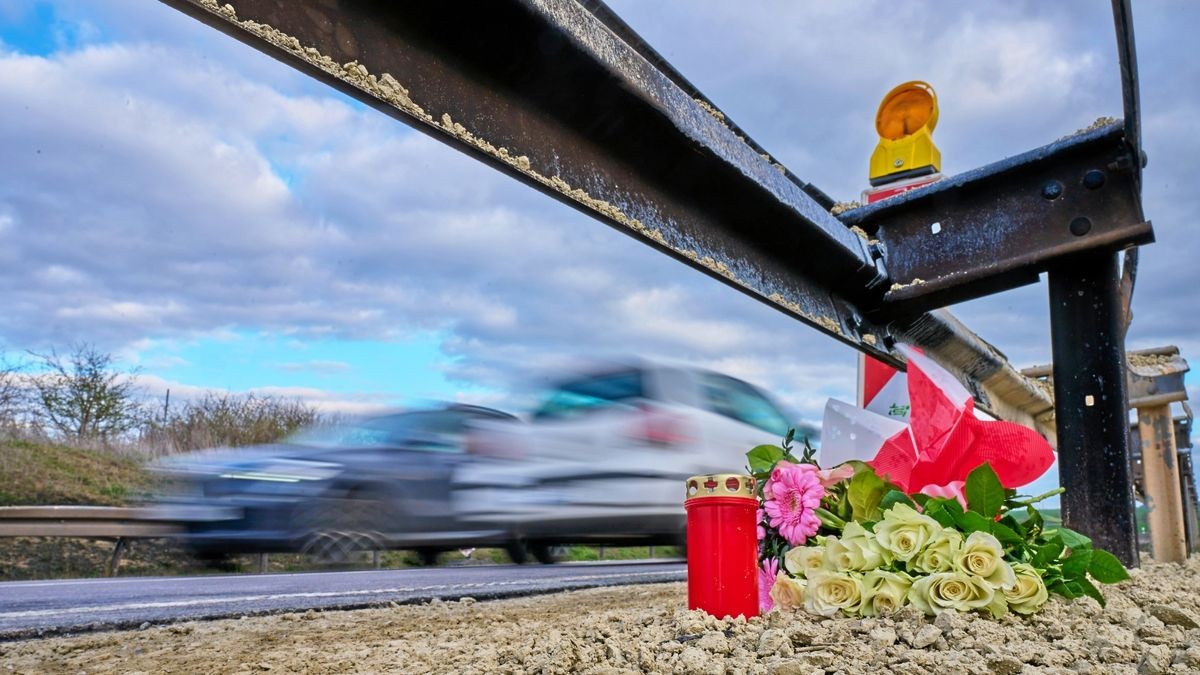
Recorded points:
998,227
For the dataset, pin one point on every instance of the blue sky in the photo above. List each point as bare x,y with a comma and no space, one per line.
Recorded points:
220,221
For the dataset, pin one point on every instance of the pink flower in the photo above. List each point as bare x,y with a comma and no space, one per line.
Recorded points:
831,477
790,498
952,489
759,517
766,581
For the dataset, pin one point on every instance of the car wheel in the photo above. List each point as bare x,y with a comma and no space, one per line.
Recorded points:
547,554
516,552
336,529
428,556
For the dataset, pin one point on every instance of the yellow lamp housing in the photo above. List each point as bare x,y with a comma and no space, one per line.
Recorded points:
905,122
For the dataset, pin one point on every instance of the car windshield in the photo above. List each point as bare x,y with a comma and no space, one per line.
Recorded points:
592,393
436,430
737,400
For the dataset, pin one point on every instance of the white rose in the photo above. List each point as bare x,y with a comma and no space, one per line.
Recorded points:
855,550
884,592
939,553
983,556
904,533
787,593
1028,594
939,592
828,593
801,560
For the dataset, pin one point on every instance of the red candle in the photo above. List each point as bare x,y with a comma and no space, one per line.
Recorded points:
722,544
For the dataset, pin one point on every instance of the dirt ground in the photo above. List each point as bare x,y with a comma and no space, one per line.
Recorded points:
1150,626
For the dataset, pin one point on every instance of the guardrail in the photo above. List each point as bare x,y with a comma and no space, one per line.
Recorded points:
118,524
1161,446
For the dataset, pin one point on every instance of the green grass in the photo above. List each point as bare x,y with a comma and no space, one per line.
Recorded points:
44,473
581,553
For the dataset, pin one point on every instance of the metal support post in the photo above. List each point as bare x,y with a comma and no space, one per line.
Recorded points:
1090,404
1160,467
1187,487
263,563
114,561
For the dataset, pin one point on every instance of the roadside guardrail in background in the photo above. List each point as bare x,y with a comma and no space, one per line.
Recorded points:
103,523
1161,453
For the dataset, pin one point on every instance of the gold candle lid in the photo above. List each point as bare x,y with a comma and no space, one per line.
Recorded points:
719,485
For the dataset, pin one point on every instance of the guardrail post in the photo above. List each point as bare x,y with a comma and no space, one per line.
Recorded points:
1160,468
1090,403
376,562
263,563
1187,488
114,561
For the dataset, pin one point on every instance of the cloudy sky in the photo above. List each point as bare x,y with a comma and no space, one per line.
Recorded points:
220,221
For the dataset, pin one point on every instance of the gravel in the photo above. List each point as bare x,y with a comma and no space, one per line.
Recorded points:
1149,626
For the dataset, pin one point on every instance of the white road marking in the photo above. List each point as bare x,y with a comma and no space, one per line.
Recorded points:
311,594
277,575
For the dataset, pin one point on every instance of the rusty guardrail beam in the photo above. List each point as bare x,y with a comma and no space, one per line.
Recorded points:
565,103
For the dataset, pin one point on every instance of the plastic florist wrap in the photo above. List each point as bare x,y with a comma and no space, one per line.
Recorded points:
931,519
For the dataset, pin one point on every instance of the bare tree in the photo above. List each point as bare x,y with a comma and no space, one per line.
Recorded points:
12,394
81,395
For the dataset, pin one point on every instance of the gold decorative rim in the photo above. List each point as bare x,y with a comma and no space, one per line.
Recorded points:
719,485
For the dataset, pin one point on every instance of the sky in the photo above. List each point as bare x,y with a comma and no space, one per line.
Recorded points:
219,221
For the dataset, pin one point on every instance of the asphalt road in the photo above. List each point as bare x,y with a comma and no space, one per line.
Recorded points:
32,608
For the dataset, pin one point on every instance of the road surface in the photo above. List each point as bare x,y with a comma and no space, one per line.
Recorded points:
32,608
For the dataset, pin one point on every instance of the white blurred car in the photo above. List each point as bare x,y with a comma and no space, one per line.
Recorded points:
604,458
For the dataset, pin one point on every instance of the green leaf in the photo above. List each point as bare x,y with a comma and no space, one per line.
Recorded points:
985,494
939,513
1047,553
973,522
1063,589
1007,535
1090,590
763,458
1105,567
1076,565
1072,539
1013,524
952,506
1034,520
895,497
865,492
921,499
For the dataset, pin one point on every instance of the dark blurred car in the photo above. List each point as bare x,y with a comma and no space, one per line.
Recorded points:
377,483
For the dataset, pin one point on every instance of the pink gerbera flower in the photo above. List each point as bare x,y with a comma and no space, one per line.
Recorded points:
759,517
790,499
766,581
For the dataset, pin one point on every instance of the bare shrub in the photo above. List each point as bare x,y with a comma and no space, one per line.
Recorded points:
81,397
228,420
13,396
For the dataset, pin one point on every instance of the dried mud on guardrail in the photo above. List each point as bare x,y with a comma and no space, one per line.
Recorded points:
1149,626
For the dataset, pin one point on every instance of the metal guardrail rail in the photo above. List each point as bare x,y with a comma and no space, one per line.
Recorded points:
119,524
568,99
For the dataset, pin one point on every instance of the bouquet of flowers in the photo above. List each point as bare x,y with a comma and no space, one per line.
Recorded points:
849,541
933,520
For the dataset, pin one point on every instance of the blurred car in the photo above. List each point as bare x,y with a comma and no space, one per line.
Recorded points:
375,483
604,458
